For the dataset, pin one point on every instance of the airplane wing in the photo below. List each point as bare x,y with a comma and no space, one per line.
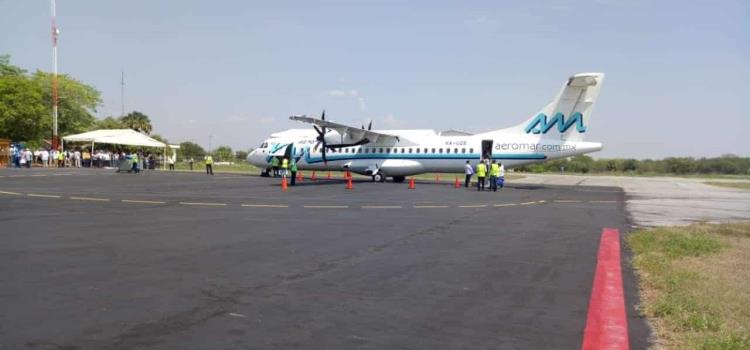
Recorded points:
354,133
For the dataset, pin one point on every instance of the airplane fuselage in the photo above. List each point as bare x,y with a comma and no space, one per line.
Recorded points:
431,153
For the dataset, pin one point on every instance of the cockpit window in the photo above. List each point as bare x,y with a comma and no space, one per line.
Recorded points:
264,145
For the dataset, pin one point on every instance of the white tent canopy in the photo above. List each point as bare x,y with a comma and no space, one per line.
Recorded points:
115,136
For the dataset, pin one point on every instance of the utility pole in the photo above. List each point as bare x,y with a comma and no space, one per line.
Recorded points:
55,33
122,91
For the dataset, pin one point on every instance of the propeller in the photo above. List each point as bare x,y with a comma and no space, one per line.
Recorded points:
322,138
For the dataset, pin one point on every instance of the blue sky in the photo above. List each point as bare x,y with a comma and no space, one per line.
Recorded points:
677,71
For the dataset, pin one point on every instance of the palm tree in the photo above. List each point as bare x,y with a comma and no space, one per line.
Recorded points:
137,121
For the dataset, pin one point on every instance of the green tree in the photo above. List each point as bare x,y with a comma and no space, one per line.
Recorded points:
8,69
77,102
158,137
190,150
137,121
23,115
223,153
241,155
107,123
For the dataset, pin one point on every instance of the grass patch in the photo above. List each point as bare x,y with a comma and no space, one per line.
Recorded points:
695,284
739,184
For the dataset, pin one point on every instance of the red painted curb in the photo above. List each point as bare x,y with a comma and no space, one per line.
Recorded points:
606,323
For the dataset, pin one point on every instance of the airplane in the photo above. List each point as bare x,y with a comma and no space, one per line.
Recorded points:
557,131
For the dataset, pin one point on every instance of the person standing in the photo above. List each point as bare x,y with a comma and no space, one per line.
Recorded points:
191,163
275,166
469,171
293,170
77,158
209,164
86,158
284,166
170,161
501,175
45,158
494,174
481,173
134,159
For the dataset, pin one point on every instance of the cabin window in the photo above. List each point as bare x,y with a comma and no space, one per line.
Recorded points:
447,150
410,150
455,150
426,151
471,150
440,150
403,150
463,150
380,150
433,150
417,150
359,150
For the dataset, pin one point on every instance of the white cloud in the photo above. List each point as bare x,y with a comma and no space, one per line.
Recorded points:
351,93
392,122
337,93
189,122
236,119
266,120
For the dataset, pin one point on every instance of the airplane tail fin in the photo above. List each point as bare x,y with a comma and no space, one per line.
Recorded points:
567,117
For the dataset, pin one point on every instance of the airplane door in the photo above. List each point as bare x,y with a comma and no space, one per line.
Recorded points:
486,149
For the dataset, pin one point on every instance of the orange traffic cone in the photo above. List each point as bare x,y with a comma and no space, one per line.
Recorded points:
329,175
300,177
283,184
349,185
437,177
457,184
313,177
411,184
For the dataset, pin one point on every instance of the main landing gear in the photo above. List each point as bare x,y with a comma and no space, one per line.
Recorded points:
380,177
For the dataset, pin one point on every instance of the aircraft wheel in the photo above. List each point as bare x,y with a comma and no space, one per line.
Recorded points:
378,177
399,179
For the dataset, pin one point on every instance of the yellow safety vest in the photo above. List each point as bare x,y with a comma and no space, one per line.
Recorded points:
285,163
209,160
481,170
495,170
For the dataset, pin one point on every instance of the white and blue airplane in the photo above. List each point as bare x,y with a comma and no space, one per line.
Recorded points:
557,131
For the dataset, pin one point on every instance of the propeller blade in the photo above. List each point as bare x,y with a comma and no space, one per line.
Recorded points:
325,160
318,130
323,116
369,126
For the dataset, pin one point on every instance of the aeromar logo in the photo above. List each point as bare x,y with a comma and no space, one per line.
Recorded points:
541,125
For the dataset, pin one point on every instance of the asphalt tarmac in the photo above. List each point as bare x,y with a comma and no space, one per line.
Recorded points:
90,259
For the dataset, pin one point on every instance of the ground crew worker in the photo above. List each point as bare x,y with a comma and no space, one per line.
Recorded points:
469,171
501,175
494,173
481,173
293,170
284,166
275,166
134,159
209,164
